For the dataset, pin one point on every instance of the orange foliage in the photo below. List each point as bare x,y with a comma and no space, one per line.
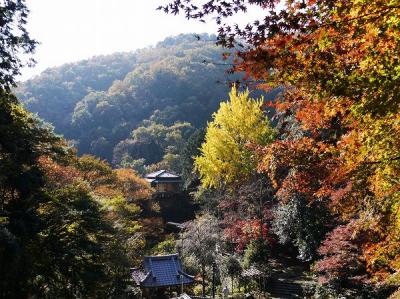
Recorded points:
58,175
133,186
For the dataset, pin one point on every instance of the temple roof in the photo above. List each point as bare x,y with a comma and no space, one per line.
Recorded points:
161,271
163,176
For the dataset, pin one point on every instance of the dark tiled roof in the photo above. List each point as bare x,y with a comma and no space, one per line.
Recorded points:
161,271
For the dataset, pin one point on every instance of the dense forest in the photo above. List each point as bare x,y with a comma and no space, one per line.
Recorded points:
298,189
116,107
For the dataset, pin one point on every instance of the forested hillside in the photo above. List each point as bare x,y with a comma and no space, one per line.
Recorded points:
54,93
305,204
98,102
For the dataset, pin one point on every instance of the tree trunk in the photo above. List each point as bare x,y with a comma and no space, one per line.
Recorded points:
203,280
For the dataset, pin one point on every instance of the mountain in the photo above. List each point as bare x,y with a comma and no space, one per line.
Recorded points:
55,92
99,101
134,109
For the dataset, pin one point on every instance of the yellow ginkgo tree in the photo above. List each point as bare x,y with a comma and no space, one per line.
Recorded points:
225,158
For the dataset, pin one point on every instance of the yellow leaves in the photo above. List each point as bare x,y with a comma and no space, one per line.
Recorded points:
132,227
225,158
383,259
324,42
121,206
72,228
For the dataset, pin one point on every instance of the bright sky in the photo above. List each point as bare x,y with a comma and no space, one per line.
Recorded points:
71,30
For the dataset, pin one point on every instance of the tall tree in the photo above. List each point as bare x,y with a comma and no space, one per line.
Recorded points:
14,41
198,242
225,158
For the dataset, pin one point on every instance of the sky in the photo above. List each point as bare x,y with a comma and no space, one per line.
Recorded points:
72,30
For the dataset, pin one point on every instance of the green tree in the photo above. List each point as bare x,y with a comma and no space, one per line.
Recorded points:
14,40
302,224
158,144
165,247
23,140
72,250
233,268
256,253
187,155
225,157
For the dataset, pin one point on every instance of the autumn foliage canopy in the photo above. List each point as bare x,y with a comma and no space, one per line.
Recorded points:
339,66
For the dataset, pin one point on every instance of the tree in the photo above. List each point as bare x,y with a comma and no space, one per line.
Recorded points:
246,211
24,139
338,63
301,224
120,206
14,39
256,254
156,143
340,253
233,268
225,158
64,218
199,240
71,255
188,153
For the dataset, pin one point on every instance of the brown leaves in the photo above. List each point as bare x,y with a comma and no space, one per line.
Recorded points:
58,175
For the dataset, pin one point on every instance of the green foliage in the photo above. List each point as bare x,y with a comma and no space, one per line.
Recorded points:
156,144
208,200
55,93
256,253
69,227
165,247
232,266
98,102
72,245
302,224
14,40
190,150
225,157
23,140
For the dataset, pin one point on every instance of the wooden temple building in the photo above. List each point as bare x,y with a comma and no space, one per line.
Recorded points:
164,181
160,272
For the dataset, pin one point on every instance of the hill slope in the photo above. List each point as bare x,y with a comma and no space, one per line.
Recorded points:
98,102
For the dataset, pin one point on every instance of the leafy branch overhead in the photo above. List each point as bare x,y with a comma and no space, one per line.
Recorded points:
15,43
